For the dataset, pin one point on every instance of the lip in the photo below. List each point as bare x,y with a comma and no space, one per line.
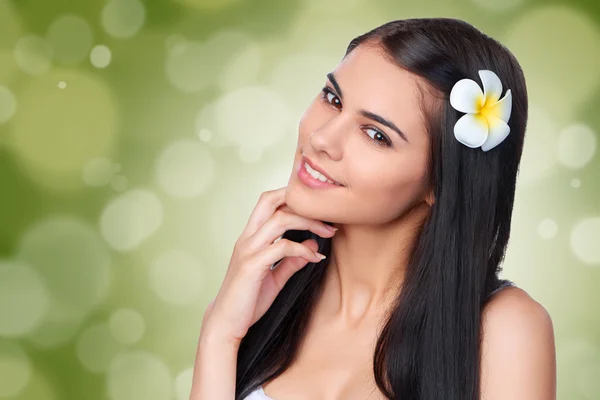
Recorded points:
316,167
311,182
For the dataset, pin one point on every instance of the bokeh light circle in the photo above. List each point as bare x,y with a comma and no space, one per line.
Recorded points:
177,278
100,56
71,38
130,218
575,182
584,240
123,18
127,326
15,369
185,169
8,104
83,121
576,146
73,261
23,298
205,135
139,375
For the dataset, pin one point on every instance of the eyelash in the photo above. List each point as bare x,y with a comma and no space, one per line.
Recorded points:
385,143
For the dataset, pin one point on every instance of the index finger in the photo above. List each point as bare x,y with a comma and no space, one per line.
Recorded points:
267,204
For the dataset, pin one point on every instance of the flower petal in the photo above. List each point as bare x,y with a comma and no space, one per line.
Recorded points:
471,130
492,87
499,130
466,96
502,108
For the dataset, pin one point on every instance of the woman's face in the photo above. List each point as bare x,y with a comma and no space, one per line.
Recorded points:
381,165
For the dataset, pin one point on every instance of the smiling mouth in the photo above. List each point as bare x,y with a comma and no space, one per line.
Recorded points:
317,175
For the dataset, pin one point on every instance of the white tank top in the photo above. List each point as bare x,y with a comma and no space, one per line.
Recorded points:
258,394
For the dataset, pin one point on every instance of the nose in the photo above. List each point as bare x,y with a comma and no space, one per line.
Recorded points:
330,138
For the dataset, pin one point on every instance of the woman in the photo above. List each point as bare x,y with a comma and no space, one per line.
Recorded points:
416,140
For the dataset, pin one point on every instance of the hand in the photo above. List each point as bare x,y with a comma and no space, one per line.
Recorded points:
250,286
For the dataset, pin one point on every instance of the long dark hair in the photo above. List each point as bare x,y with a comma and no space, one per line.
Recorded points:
429,347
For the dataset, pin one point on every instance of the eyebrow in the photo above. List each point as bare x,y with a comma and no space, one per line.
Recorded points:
365,113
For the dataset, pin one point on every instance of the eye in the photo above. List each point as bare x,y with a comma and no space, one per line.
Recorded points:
379,138
328,96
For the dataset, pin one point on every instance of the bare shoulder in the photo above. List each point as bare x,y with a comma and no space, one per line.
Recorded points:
510,308
518,349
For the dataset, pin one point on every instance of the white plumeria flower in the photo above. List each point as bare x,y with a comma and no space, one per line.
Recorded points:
485,123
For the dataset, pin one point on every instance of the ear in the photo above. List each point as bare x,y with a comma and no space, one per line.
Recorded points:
430,198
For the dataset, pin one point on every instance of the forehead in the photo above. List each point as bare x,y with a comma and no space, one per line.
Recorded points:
370,81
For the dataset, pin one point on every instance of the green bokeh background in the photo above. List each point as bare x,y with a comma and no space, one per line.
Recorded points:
137,135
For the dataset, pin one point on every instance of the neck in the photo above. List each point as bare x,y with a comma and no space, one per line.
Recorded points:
367,267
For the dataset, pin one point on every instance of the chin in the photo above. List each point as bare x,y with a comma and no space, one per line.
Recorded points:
304,204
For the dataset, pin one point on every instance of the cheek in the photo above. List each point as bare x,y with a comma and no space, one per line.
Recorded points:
388,188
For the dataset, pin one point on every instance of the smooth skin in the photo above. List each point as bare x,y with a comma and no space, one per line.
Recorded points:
384,200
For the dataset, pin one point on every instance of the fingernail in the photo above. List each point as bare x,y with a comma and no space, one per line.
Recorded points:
331,228
321,256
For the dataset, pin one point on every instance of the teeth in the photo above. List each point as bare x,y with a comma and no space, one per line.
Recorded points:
317,175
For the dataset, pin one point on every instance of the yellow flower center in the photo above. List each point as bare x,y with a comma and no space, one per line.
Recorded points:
487,108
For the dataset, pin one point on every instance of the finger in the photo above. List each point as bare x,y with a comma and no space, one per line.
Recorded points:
281,222
265,207
286,208
290,265
283,249
311,243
